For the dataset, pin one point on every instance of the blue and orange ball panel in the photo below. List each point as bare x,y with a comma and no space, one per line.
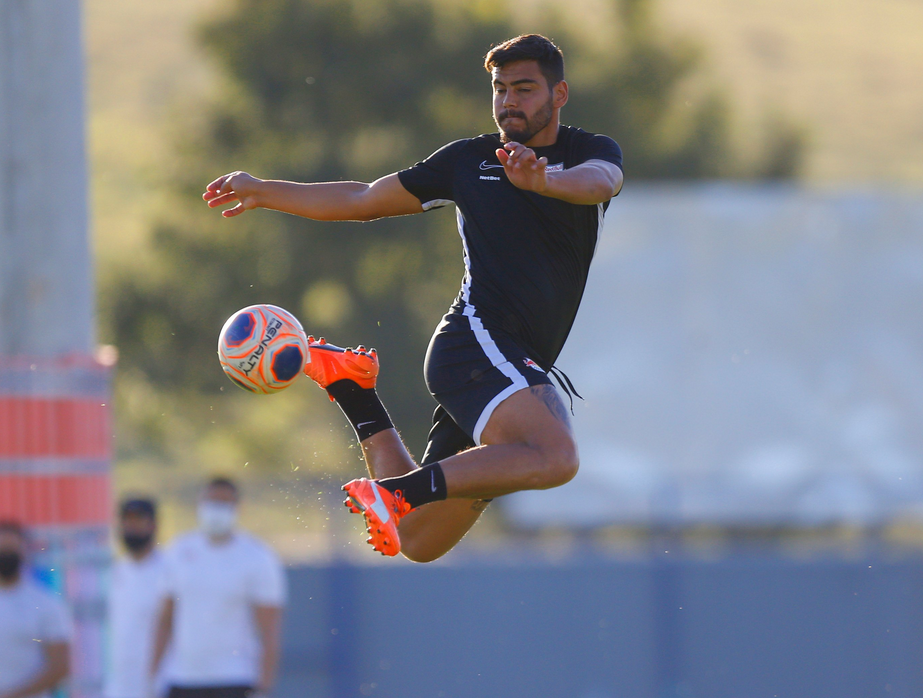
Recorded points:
287,363
240,330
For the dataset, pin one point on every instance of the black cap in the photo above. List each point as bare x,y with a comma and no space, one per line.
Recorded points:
144,507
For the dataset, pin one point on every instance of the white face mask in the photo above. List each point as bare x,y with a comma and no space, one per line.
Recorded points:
217,518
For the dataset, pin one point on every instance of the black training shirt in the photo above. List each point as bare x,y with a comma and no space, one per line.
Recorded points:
527,256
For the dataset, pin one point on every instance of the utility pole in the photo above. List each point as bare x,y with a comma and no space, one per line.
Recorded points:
55,434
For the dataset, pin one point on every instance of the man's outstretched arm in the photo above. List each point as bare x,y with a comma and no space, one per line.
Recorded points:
328,201
593,182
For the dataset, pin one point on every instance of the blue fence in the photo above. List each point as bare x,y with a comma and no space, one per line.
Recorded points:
661,628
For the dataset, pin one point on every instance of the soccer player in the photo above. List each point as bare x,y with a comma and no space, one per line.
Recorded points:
530,202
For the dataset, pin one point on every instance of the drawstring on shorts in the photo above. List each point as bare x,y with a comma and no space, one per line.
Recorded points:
566,385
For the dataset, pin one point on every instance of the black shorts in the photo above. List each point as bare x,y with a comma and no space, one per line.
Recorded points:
470,370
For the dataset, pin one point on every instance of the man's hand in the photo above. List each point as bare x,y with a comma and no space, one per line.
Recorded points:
591,182
236,186
522,168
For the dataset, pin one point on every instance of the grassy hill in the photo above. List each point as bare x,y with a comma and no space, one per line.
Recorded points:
847,70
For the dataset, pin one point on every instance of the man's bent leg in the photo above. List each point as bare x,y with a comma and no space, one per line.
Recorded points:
527,441
432,530
349,376
528,444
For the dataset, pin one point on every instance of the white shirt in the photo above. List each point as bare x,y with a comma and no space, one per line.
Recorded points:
29,616
135,595
215,588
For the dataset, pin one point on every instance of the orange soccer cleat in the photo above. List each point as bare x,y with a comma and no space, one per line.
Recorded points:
328,363
382,510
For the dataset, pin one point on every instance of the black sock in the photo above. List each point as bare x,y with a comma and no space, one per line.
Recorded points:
361,406
420,486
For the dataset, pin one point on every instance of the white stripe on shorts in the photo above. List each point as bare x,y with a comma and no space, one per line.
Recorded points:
498,360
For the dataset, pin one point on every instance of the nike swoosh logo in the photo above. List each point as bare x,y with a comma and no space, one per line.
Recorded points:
378,506
362,424
432,480
485,166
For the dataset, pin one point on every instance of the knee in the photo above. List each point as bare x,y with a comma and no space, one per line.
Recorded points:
560,463
420,554
421,548
419,544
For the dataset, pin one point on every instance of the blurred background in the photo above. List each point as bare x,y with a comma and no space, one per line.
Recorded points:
748,518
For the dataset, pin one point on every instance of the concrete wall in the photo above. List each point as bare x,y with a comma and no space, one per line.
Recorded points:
664,627
55,426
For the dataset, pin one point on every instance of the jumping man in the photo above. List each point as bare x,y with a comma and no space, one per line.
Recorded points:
530,202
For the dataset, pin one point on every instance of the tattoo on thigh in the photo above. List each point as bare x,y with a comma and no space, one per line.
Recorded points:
547,394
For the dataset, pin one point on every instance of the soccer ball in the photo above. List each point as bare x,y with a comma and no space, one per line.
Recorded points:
262,348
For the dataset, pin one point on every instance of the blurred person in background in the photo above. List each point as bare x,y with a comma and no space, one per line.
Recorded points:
223,593
35,626
134,600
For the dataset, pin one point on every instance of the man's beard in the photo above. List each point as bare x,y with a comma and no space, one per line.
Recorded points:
530,126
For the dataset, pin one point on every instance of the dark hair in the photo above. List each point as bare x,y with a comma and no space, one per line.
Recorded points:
142,506
10,526
220,481
529,47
